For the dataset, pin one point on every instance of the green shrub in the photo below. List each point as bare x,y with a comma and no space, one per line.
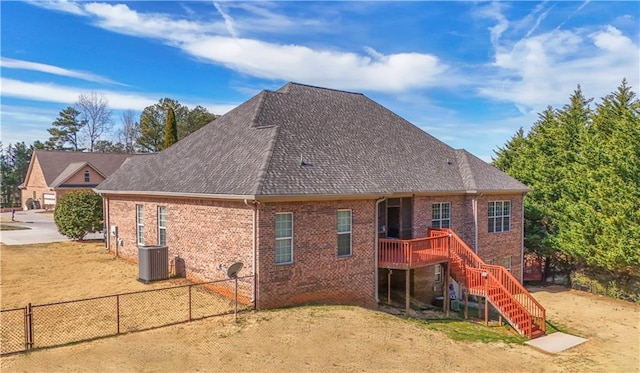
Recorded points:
607,285
78,213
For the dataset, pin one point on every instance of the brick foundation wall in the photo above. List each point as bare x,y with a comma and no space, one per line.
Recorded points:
317,274
208,235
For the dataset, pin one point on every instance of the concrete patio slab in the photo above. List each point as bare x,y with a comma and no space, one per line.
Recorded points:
556,342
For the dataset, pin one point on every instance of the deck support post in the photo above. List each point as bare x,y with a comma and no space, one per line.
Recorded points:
466,304
408,291
389,286
446,302
486,311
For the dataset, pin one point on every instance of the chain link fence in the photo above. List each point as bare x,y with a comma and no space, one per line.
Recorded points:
55,324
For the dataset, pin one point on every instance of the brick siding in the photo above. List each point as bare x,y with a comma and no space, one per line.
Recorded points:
317,274
498,246
209,236
35,183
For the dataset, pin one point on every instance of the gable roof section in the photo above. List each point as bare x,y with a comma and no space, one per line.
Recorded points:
71,170
304,140
57,166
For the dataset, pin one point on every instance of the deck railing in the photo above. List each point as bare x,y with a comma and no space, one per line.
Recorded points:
498,277
395,253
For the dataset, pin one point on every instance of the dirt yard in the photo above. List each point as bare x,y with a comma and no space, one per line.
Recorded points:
309,339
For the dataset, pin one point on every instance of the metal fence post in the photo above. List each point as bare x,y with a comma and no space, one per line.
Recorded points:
29,327
236,306
190,302
118,312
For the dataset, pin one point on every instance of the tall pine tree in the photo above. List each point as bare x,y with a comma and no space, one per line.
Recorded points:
170,129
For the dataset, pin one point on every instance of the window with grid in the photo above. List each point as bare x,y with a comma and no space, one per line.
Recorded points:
284,238
87,176
441,215
506,263
140,224
438,269
499,216
162,226
344,232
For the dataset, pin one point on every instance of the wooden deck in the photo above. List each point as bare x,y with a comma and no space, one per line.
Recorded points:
414,253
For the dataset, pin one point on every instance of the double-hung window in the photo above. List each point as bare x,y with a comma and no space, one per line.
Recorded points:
162,226
87,176
344,232
438,273
140,224
441,215
284,238
499,216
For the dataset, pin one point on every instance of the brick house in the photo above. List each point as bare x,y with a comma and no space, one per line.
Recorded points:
52,173
305,186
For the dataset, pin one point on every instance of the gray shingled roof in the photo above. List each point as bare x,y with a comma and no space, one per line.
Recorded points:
56,165
303,140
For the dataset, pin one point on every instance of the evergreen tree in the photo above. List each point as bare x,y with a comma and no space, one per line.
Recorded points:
170,130
65,130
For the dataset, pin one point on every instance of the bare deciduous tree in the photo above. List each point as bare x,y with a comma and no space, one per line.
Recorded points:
129,132
95,112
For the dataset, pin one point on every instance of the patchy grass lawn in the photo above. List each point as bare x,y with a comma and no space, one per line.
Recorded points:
11,227
307,339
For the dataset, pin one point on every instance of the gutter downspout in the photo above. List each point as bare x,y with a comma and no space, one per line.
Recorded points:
254,248
474,204
522,240
375,256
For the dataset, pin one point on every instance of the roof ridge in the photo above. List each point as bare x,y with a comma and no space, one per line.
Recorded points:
466,173
256,114
266,165
316,87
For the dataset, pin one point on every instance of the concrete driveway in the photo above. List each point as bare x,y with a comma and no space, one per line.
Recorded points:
42,229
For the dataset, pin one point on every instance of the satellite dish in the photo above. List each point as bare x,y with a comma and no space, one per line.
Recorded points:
232,272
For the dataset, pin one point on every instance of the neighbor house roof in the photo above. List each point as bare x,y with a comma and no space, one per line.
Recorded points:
304,140
58,166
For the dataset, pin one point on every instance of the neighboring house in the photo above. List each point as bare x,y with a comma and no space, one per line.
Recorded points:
304,185
52,173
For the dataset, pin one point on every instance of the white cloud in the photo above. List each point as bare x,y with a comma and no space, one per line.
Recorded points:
228,21
346,70
10,63
47,92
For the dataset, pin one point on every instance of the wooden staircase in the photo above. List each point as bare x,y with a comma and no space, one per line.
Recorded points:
495,283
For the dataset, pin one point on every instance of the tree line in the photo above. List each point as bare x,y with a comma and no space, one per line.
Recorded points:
582,163
88,125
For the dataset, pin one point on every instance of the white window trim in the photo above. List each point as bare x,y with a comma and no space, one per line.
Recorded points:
501,216
139,224
508,263
438,273
160,227
350,232
440,207
285,238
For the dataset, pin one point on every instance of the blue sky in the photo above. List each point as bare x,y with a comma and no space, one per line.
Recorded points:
469,73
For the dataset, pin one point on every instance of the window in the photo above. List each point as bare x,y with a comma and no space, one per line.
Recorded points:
499,216
162,226
506,263
344,232
441,215
438,268
87,177
140,224
284,238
